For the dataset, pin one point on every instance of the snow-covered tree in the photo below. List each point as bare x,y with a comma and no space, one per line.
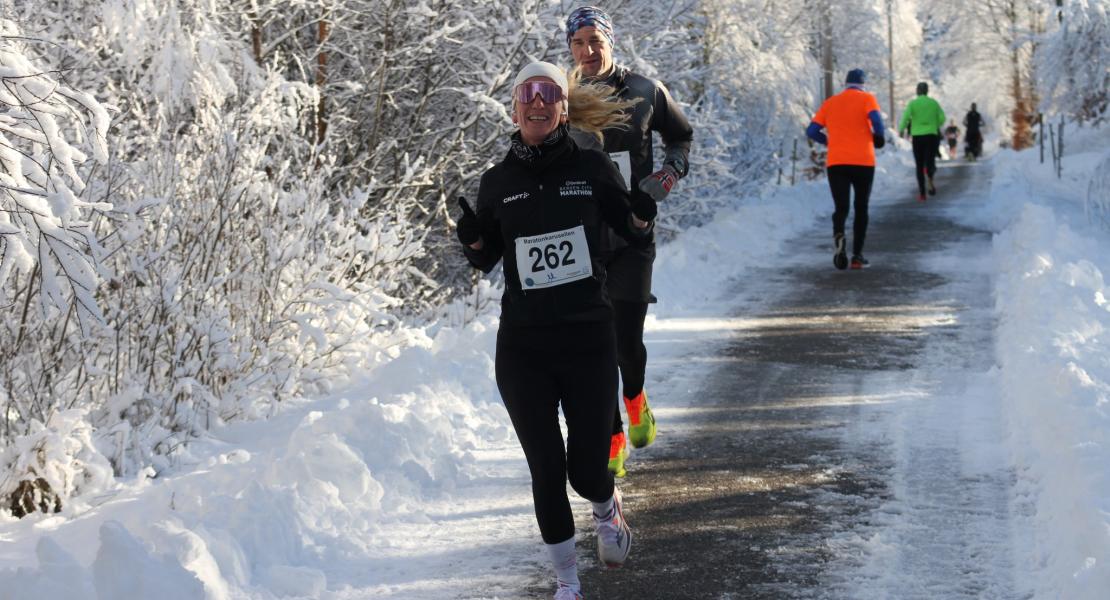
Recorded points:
1073,61
50,255
46,130
1013,28
864,32
963,59
238,275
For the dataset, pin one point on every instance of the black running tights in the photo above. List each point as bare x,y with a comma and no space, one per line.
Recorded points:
842,180
628,321
924,158
538,370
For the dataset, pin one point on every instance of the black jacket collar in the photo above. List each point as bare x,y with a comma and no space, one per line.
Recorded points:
538,158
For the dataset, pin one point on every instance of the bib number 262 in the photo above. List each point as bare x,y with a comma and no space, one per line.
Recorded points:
553,258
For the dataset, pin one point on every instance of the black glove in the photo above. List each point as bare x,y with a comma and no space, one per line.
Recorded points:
879,140
467,228
644,207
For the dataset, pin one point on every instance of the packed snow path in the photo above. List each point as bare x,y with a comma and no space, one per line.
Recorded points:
845,441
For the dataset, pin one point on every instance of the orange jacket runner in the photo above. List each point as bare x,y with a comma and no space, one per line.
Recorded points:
847,119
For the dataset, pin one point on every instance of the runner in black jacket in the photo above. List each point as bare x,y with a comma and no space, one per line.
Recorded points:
590,37
543,211
973,136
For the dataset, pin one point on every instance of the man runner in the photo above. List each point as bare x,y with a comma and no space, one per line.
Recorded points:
590,37
855,128
973,137
924,117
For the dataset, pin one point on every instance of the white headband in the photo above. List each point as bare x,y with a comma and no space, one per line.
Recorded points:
543,69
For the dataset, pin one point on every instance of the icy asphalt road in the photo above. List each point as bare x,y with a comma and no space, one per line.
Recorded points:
844,443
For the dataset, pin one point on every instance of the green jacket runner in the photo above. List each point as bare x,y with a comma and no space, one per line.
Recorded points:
924,116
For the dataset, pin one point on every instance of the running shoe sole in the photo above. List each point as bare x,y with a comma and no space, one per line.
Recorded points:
840,259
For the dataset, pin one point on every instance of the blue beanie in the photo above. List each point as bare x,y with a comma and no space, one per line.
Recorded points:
856,76
590,16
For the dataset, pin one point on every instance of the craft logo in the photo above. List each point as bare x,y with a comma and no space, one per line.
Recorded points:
520,196
576,188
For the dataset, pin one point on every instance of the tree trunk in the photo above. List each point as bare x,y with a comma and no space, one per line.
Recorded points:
1020,114
322,31
890,58
826,46
256,33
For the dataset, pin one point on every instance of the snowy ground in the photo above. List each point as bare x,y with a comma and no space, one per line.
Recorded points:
408,483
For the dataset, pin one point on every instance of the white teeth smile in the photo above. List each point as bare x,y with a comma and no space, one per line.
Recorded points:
537,118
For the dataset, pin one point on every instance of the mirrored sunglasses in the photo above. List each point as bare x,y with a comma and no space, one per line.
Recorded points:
549,92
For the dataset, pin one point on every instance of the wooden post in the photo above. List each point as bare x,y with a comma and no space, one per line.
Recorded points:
1060,143
779,161
793,161
1040,122
1052,144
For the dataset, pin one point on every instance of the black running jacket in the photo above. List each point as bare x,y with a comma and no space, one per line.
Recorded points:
564,188
630,267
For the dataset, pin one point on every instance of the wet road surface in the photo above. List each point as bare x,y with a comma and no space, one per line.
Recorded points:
748,486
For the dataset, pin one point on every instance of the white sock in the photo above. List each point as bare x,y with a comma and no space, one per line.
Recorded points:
565,561
603,509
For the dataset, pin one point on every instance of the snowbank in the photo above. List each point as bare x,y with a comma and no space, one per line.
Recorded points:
1053,349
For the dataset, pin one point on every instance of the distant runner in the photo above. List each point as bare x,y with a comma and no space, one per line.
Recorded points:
973,139
952,136
924,117
855,128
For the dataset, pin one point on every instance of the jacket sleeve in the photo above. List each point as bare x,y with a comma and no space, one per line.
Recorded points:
668,119
876,123
905,121
492,244
614,201
813,132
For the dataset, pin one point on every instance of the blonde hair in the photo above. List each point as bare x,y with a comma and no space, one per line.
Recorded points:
595,107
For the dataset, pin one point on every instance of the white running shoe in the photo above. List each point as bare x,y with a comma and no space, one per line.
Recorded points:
567,593
614,538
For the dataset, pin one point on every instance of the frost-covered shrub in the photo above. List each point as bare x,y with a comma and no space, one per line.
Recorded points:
56,461
260,281
238,272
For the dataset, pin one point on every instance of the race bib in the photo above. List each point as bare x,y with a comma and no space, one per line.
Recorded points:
623,160
553,259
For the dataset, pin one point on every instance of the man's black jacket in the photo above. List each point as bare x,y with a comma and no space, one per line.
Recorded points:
656,111
630,267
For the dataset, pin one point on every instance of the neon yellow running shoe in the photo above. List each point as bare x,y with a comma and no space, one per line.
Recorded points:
641,427
618,452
